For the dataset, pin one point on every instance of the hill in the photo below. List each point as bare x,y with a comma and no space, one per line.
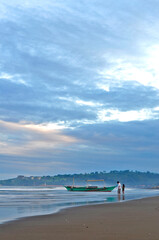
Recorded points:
130,178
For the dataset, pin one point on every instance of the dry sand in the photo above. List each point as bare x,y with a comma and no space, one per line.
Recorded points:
133,220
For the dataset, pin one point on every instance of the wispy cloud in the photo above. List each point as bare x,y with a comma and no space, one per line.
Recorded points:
144,71
141,115
13,78
28,139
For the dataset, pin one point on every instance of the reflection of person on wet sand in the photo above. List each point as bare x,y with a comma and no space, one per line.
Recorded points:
123,188
119,197
119,187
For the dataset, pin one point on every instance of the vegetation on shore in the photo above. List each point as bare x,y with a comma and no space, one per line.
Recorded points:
130,178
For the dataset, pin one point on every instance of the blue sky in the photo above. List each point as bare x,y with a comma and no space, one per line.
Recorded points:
79,86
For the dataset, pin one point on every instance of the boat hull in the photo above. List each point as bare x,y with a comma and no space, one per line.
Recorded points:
90,189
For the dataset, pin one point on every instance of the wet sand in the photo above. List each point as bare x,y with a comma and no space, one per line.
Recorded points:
132,220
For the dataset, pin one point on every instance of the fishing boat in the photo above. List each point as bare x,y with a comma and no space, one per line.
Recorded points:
90,188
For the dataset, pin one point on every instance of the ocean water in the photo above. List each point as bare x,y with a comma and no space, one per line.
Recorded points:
18,202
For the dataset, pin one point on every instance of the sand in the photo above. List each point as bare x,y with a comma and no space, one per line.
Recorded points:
132,220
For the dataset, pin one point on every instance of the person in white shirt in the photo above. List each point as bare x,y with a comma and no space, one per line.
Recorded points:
119,187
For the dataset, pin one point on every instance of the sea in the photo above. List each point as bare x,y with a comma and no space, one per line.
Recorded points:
19,202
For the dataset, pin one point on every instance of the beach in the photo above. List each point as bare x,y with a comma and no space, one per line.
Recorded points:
131,220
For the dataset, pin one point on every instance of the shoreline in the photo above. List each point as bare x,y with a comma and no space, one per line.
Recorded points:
130,220
70,207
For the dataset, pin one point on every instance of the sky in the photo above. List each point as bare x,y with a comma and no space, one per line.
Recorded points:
79,86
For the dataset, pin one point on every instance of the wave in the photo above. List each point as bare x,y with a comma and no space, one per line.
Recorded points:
30,188
59,188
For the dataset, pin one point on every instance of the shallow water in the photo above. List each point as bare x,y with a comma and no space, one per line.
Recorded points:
17,202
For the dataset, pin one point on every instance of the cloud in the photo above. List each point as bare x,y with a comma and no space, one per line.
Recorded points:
78,79
14,78
141,115
28,139
144,71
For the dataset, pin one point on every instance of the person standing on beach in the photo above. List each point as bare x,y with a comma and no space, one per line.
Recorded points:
119,187
123,188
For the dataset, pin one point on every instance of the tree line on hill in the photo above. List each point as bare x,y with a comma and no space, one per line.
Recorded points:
129,178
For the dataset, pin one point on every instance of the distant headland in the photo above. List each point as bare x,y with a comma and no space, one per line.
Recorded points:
130,178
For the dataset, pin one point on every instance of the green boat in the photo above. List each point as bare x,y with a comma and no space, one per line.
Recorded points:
90,188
